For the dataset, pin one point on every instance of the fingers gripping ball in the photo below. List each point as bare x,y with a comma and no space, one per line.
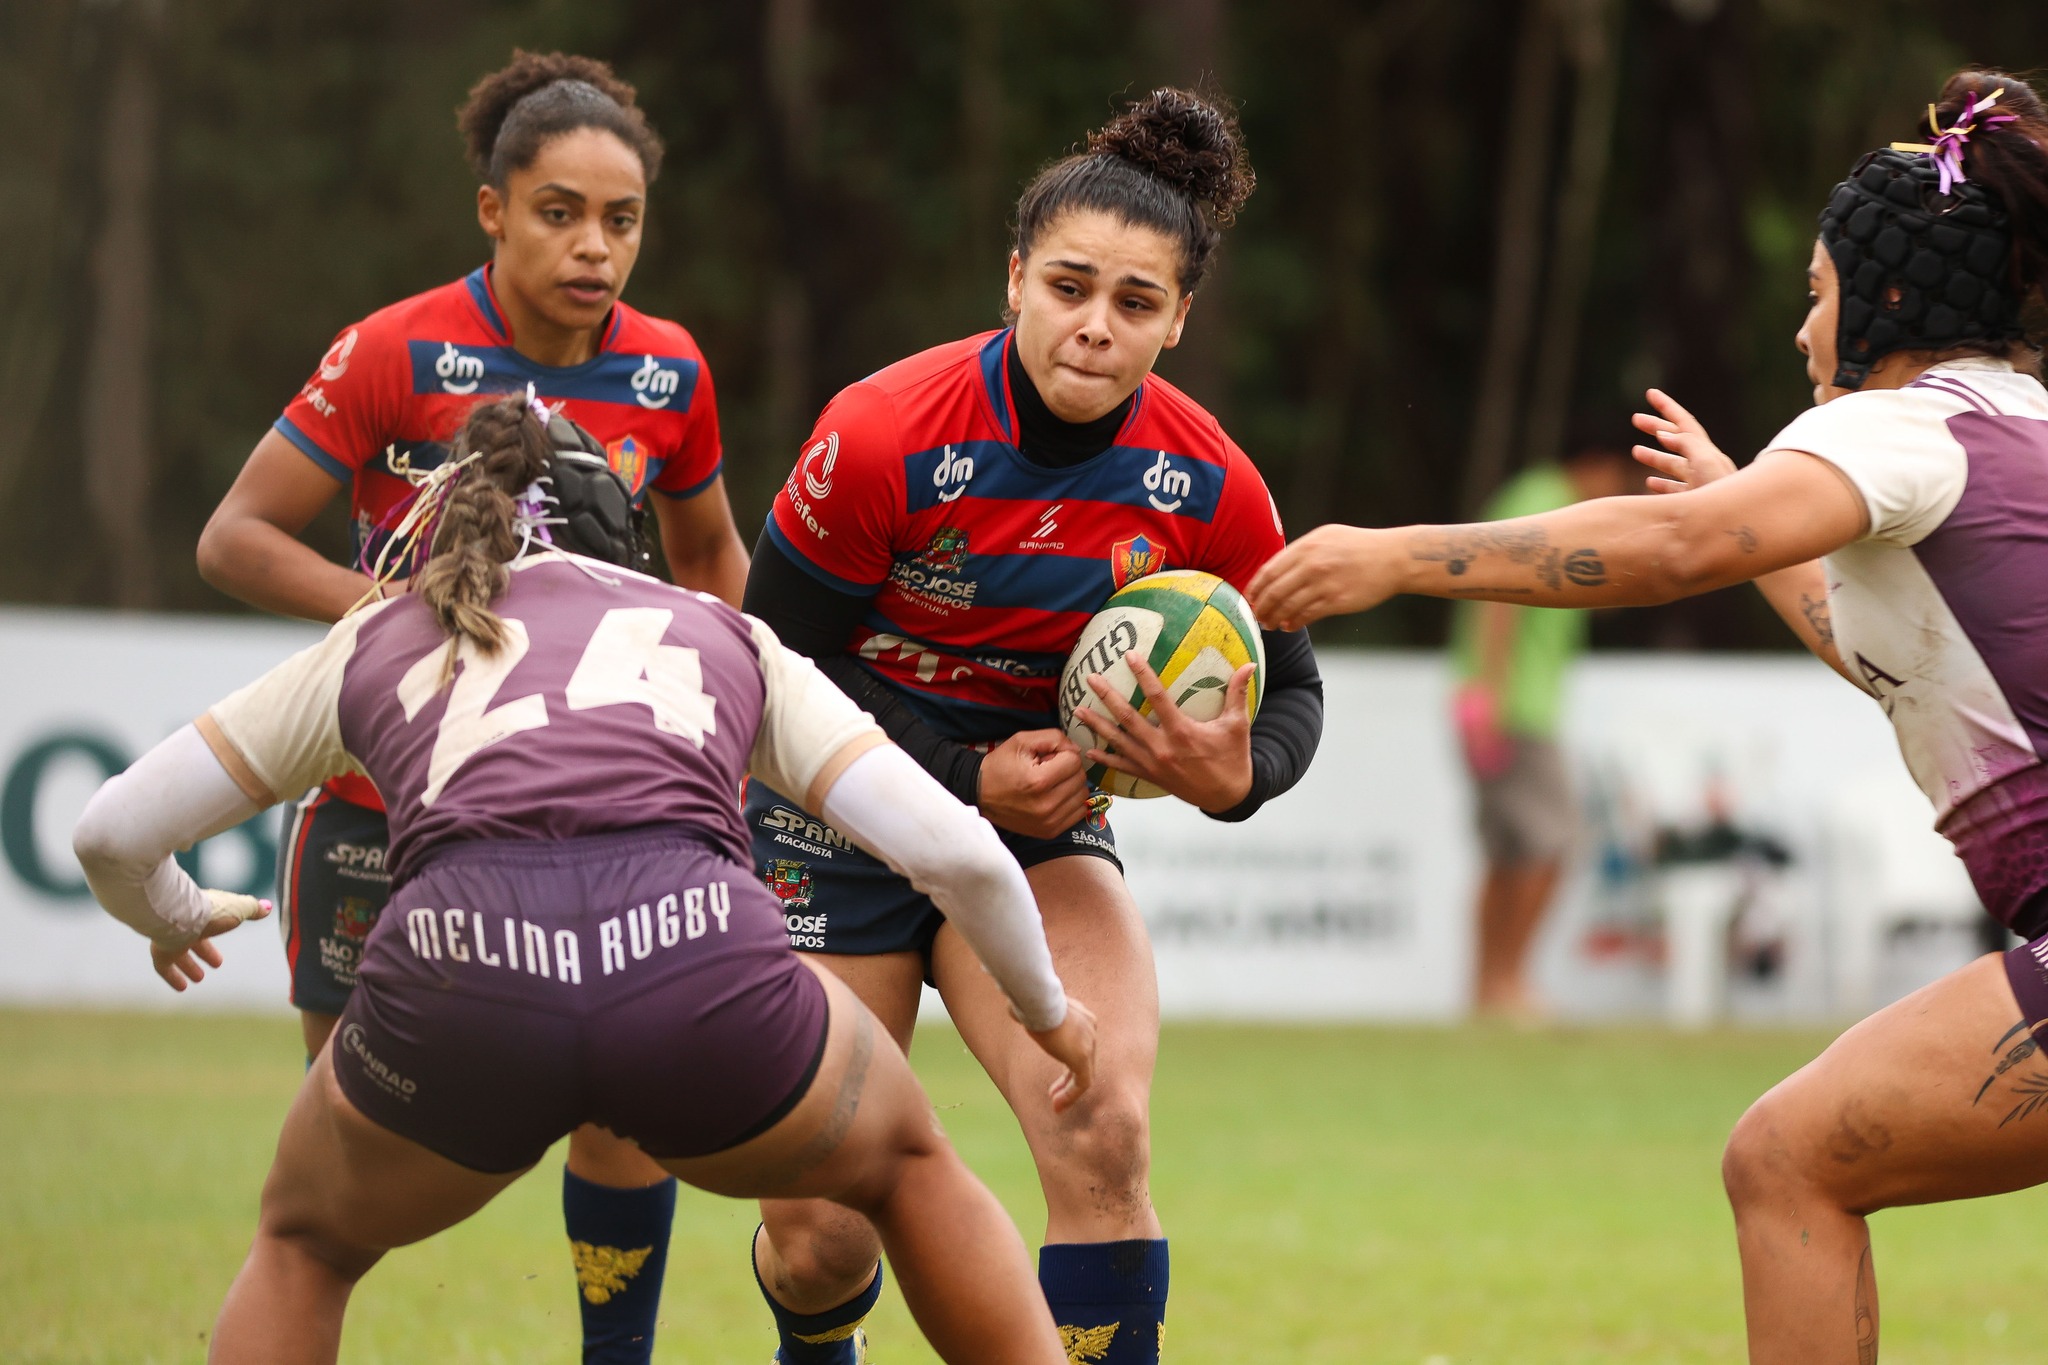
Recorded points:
1193,629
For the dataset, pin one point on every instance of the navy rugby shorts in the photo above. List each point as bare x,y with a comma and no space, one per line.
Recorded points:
837,899
331,886
519,989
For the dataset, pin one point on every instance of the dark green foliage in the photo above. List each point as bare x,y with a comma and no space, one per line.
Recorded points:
838,194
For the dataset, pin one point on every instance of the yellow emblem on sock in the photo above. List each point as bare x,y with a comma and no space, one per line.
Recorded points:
836,1334
1162,1336
603,1271
1087,1343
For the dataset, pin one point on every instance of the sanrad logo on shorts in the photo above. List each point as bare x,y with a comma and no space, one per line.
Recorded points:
373,1067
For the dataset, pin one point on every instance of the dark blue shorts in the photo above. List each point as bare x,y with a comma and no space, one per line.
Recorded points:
837,899
331,886
516,990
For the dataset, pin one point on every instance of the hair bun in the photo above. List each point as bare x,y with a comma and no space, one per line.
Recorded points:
1187,141
491,99
2015,96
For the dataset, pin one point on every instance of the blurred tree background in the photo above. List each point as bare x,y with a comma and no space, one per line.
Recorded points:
1480,227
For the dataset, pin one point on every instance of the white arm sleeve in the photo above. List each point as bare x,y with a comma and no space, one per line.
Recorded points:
897,811
806,722
169,799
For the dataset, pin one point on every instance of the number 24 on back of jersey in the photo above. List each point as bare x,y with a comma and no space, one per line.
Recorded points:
624,664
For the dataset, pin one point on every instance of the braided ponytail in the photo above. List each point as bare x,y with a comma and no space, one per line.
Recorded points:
474,535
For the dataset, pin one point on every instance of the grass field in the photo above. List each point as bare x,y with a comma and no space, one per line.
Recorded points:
1333,1195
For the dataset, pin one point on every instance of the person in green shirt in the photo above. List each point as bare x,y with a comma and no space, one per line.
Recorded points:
1511,663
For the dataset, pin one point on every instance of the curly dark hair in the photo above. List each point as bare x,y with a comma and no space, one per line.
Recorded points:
511,113
1174,161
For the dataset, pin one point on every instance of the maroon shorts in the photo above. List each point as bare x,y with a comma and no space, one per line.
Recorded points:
515,990
2001,834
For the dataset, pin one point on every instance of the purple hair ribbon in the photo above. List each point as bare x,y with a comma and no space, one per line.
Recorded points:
1947,148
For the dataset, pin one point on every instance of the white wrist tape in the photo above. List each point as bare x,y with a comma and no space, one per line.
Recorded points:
897,811
169,799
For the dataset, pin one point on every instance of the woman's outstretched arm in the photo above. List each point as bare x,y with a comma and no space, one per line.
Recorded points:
1786,509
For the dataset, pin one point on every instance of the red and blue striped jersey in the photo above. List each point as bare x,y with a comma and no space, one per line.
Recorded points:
403,378
401,381
982,566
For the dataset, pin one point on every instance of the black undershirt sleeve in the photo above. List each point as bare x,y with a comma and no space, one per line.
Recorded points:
1289,725
817,621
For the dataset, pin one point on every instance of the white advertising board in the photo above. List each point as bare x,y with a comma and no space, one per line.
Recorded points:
81,694
1349,897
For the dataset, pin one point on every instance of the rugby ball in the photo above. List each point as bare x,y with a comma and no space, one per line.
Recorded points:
1193,629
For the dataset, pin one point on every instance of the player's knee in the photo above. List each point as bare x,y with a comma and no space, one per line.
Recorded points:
1103,1144
1758,1162
298,1244
817,1243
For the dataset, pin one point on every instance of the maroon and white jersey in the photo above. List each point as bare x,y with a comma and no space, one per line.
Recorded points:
616,702
1941,609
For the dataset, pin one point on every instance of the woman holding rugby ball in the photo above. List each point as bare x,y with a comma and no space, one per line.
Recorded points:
951,526
1901,529
565,157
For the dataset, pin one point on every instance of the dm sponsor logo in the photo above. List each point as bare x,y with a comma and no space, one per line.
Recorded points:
655,385
1164,482
458,371
953,474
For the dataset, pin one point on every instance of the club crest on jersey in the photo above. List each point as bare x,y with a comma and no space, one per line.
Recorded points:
947,550
354,917
628,459
1133,559
790,881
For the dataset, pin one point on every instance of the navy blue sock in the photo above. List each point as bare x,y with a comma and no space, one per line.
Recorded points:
1108,1298
620,1241
828,1338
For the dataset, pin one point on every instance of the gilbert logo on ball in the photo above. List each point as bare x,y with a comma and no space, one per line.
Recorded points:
1193,629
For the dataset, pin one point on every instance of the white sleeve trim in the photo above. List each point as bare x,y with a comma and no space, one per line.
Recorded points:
806,721
897,811
1895,448
286,726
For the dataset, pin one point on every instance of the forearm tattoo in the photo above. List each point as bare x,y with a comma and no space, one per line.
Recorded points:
2029,1093
1815,610
1456,547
